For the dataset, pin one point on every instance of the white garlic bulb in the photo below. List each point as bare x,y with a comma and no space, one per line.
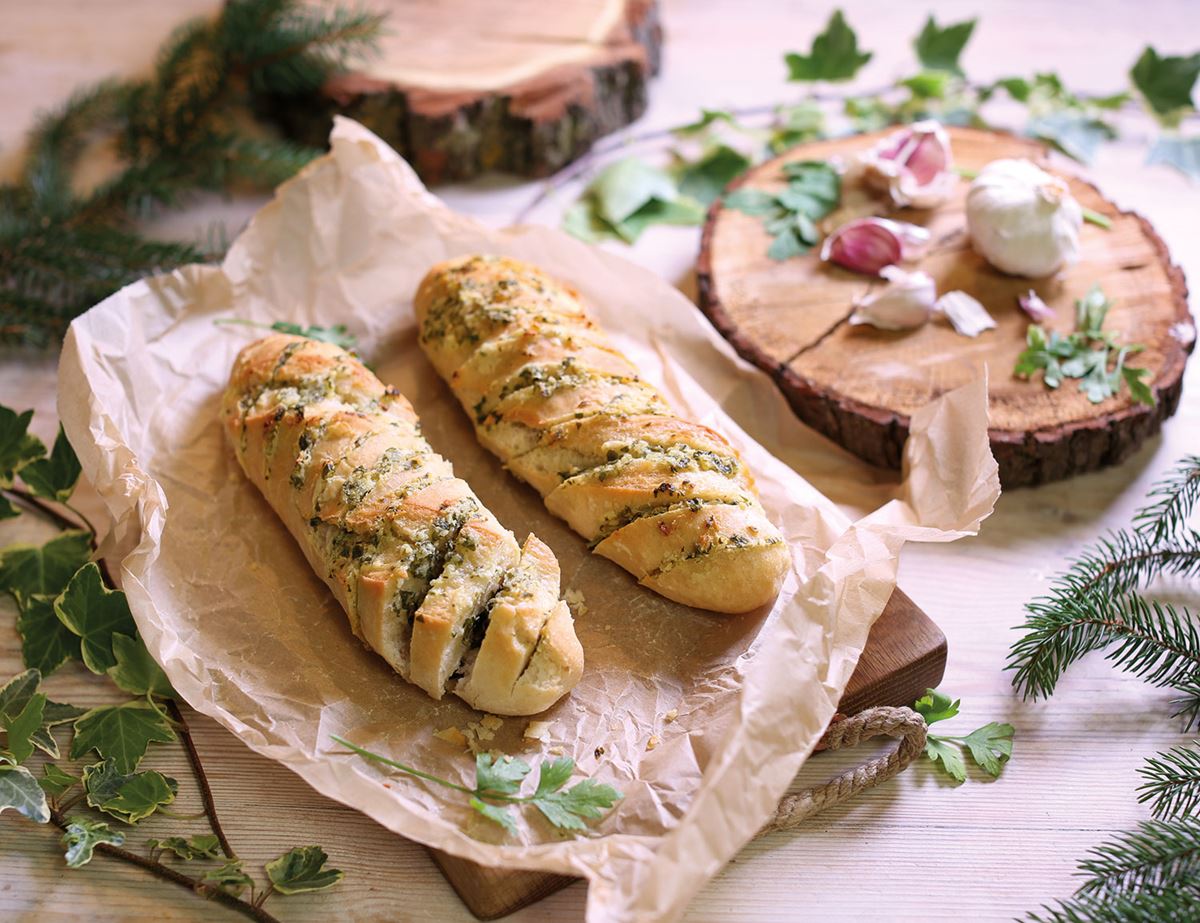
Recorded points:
1022,220
903,304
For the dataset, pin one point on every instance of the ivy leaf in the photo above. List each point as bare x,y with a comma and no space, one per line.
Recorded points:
302,869
991,746
708,117
1166,83
28,570
20,791
230,876
1181,153
682,211
136,671
21,727
495,813
834,54
55,477
46,643
1075,133
94,612
101,781
499,777
201,846
951,757
82,838
936,706
139,796
939,48
121,733
586,800
55,781
16,693
928,84
627,186
795,125
704,179
18,447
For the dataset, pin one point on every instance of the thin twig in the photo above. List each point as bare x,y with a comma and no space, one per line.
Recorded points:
87,522
165,872
38,505
206,796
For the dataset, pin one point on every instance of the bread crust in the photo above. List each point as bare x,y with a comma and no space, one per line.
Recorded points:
568,413
407,548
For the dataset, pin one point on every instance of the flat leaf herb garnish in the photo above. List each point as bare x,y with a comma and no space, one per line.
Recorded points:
990,746
790,216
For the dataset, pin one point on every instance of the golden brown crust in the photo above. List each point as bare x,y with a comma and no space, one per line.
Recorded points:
568,413
407,548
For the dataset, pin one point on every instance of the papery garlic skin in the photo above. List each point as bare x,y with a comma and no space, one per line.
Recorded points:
966,314
913,166
1022,220
867,245
1031,303
905,303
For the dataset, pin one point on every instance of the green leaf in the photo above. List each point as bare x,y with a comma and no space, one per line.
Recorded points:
928,84
338,335
991,746
495,813
139,796
1166,83
940,48
17,446
7,510
1181,153
554,775
950,755
628,185
82,838
16,693
94,613
1017,87
704,179
21,727
1076,134
55,782
1090,311
834,54
101,781
752,202
580,220
121,733
797,124
586,800
46,643
200,846
499,777
302,869
230,876
1138,389
136,671
61,713
787,244
936,706
20,791
28,570
708,117
682,211
55,477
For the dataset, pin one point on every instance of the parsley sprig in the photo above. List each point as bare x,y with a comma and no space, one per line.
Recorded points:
990,746
1086,355
791,215
338,335
498,784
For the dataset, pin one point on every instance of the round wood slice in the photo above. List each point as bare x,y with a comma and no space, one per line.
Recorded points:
859,385
464,86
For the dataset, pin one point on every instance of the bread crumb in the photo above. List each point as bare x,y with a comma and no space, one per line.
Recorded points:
652,742
671,715
451,735
537,730
576,601
491,722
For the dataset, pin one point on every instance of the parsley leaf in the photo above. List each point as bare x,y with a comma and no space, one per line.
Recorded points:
46,643
82,838
45,569
121,732
200,846
937,748
936,706
940,48
20,791
499,777
55,477
18,447
834,54
302,869
136,671
495,813
1166,82
55,782
991,746
789,216
94,612
567,810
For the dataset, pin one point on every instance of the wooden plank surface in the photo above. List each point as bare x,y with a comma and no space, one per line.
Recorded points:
1001,848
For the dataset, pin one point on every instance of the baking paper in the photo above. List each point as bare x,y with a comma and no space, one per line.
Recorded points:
701,720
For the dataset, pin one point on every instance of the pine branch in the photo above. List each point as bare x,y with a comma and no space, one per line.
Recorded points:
1177,497
1173,781
1143,907
1157,855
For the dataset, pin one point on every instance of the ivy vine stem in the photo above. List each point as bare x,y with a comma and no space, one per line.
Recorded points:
25,498
206,795
166,873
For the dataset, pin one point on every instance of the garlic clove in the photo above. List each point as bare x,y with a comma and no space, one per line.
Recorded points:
1032,304
966,314
905,303
914,166
867,245
1022,220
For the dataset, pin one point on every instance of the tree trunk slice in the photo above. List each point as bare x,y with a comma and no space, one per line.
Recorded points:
859,385
465,86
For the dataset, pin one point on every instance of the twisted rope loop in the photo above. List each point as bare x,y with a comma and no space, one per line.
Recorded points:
902,723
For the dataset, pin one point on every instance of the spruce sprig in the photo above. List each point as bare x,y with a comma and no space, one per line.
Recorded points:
182,129
1172,783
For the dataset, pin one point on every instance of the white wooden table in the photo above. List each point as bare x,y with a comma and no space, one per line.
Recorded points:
917,848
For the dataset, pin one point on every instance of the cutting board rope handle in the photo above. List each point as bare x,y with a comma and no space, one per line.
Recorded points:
902,723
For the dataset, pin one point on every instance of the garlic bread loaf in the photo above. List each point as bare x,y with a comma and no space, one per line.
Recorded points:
428,577
667,499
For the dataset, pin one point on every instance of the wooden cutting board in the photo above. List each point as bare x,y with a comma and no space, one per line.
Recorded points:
905,655
859,386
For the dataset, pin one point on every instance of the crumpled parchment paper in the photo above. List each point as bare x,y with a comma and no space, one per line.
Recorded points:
701,720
